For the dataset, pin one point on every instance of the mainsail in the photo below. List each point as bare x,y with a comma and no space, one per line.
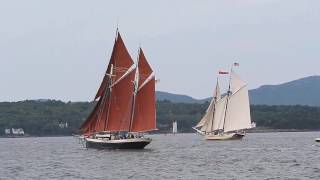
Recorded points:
144,114
125,100
238,107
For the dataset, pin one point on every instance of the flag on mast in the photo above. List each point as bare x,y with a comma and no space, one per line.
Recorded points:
236,64
223,72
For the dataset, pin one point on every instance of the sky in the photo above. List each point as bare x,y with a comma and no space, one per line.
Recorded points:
60,49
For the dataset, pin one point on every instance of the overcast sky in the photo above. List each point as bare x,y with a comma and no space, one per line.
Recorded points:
59,49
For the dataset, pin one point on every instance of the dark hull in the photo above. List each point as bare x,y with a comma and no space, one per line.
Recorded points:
117,145
237,136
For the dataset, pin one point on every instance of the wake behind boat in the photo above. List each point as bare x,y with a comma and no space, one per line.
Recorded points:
227,117
124,105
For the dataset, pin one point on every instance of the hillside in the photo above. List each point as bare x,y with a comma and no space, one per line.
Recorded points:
303,91
177,98
44,118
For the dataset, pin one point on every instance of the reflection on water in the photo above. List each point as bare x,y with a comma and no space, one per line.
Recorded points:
182,156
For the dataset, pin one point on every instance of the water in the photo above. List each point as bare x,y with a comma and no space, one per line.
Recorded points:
183,156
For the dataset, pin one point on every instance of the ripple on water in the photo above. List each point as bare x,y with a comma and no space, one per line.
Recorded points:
183,156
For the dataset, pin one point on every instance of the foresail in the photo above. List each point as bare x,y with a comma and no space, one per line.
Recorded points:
206,116
88,126
206,121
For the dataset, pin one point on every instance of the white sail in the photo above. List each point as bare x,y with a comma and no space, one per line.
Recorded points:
219,114
238,108
217,94
216,120
204,122
207,118
207,121
174,127
236,83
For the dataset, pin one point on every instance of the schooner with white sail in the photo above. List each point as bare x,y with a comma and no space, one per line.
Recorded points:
124,104
227,117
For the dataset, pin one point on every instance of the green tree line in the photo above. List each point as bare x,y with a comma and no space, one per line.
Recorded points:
42,118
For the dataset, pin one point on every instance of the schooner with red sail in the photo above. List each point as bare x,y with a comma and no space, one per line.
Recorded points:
124,104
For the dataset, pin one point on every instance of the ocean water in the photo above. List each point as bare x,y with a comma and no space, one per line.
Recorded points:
182,156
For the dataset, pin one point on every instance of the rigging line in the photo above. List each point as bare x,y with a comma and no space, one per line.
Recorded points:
106,93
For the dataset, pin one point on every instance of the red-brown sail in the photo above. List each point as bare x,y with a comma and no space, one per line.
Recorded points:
115,93
144,117
121,61
88,126
121,104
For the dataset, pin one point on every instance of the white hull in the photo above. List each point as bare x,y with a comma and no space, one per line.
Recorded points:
226,136
317,139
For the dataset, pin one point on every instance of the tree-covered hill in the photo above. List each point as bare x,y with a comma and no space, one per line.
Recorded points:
49,117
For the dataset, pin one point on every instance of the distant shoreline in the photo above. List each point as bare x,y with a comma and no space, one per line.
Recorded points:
266,130
250,131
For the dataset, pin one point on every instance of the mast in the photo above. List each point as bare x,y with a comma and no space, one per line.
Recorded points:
135,91
110,90
214,105
228,96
